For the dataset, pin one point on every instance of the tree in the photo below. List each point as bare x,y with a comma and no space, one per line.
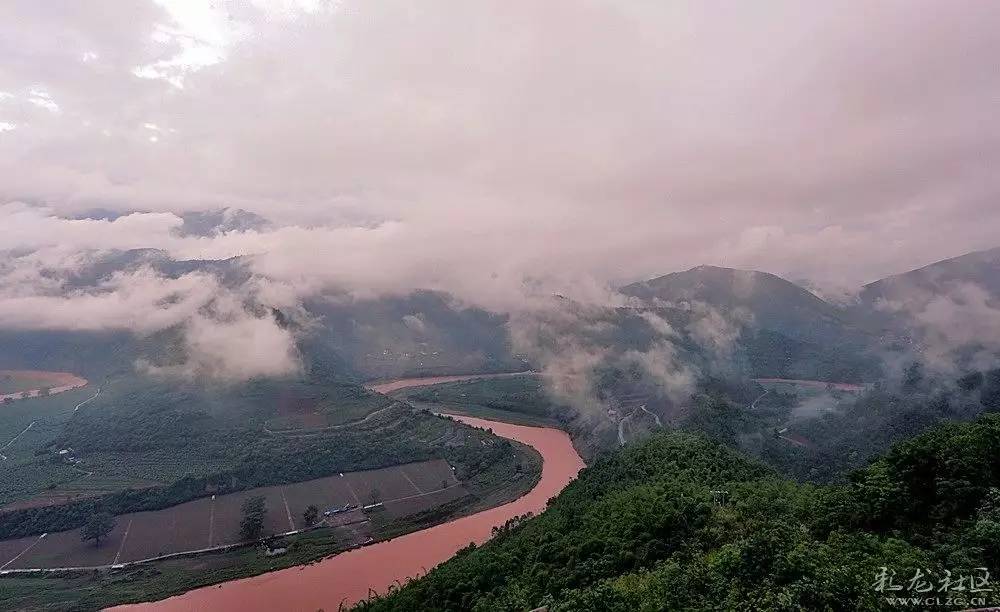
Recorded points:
98,525
252,524
376,496
310,515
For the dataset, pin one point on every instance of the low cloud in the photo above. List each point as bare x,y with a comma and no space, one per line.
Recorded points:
574,344
230,343
225,333
503,154
957,324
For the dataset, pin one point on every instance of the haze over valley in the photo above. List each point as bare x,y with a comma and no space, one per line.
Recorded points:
657,306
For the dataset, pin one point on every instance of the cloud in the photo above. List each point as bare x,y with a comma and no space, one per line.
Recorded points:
576,345
502,153
226,334
957,324
557,139
231,343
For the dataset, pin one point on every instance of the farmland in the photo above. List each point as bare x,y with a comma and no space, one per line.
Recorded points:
16,384
174,462
156,579
130,435
214,521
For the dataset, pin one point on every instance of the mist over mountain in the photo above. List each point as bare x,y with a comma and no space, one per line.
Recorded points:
981,268
769,302
779,328
252,252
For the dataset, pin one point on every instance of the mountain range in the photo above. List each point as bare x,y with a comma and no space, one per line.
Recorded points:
782,326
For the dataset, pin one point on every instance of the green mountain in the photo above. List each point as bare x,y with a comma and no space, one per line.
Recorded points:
894,304
774,303
677,522
980,267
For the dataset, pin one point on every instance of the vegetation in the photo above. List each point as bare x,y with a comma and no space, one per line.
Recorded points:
847,436
254,511
190,443
524,396
494,483
522,400
310,515
98,525
697,526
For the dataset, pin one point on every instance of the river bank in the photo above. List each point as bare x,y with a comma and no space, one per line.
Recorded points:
353,575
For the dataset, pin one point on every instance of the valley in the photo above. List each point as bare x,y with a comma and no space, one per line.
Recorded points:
415,467
180,541
601,306
354,576
212,523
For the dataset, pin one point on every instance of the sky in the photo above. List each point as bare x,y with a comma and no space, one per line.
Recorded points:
497,148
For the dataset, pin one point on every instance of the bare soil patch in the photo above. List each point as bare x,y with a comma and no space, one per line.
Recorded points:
19,384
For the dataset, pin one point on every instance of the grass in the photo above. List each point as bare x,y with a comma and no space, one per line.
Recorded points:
24,473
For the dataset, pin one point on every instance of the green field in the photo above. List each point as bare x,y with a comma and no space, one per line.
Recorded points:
139,433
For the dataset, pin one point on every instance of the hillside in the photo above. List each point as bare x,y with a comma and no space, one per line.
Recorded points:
980,267
773,303
935,300
696,526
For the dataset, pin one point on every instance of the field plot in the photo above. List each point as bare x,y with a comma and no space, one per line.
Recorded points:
10,550
226,523
209,521
418,503
16,384
12,381
429,480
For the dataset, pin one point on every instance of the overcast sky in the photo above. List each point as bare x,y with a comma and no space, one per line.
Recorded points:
474,146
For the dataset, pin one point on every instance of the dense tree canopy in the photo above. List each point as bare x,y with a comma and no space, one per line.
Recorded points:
98,525
679,522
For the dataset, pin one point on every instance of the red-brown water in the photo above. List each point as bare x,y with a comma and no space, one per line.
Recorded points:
348,576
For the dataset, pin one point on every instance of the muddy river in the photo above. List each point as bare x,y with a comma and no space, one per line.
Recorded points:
347,577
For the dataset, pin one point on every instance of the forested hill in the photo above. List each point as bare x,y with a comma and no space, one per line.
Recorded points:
776,304
677,522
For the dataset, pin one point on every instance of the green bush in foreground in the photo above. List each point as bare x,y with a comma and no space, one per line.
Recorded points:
678,522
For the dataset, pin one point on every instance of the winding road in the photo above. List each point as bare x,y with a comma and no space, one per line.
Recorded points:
88,400
351,576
